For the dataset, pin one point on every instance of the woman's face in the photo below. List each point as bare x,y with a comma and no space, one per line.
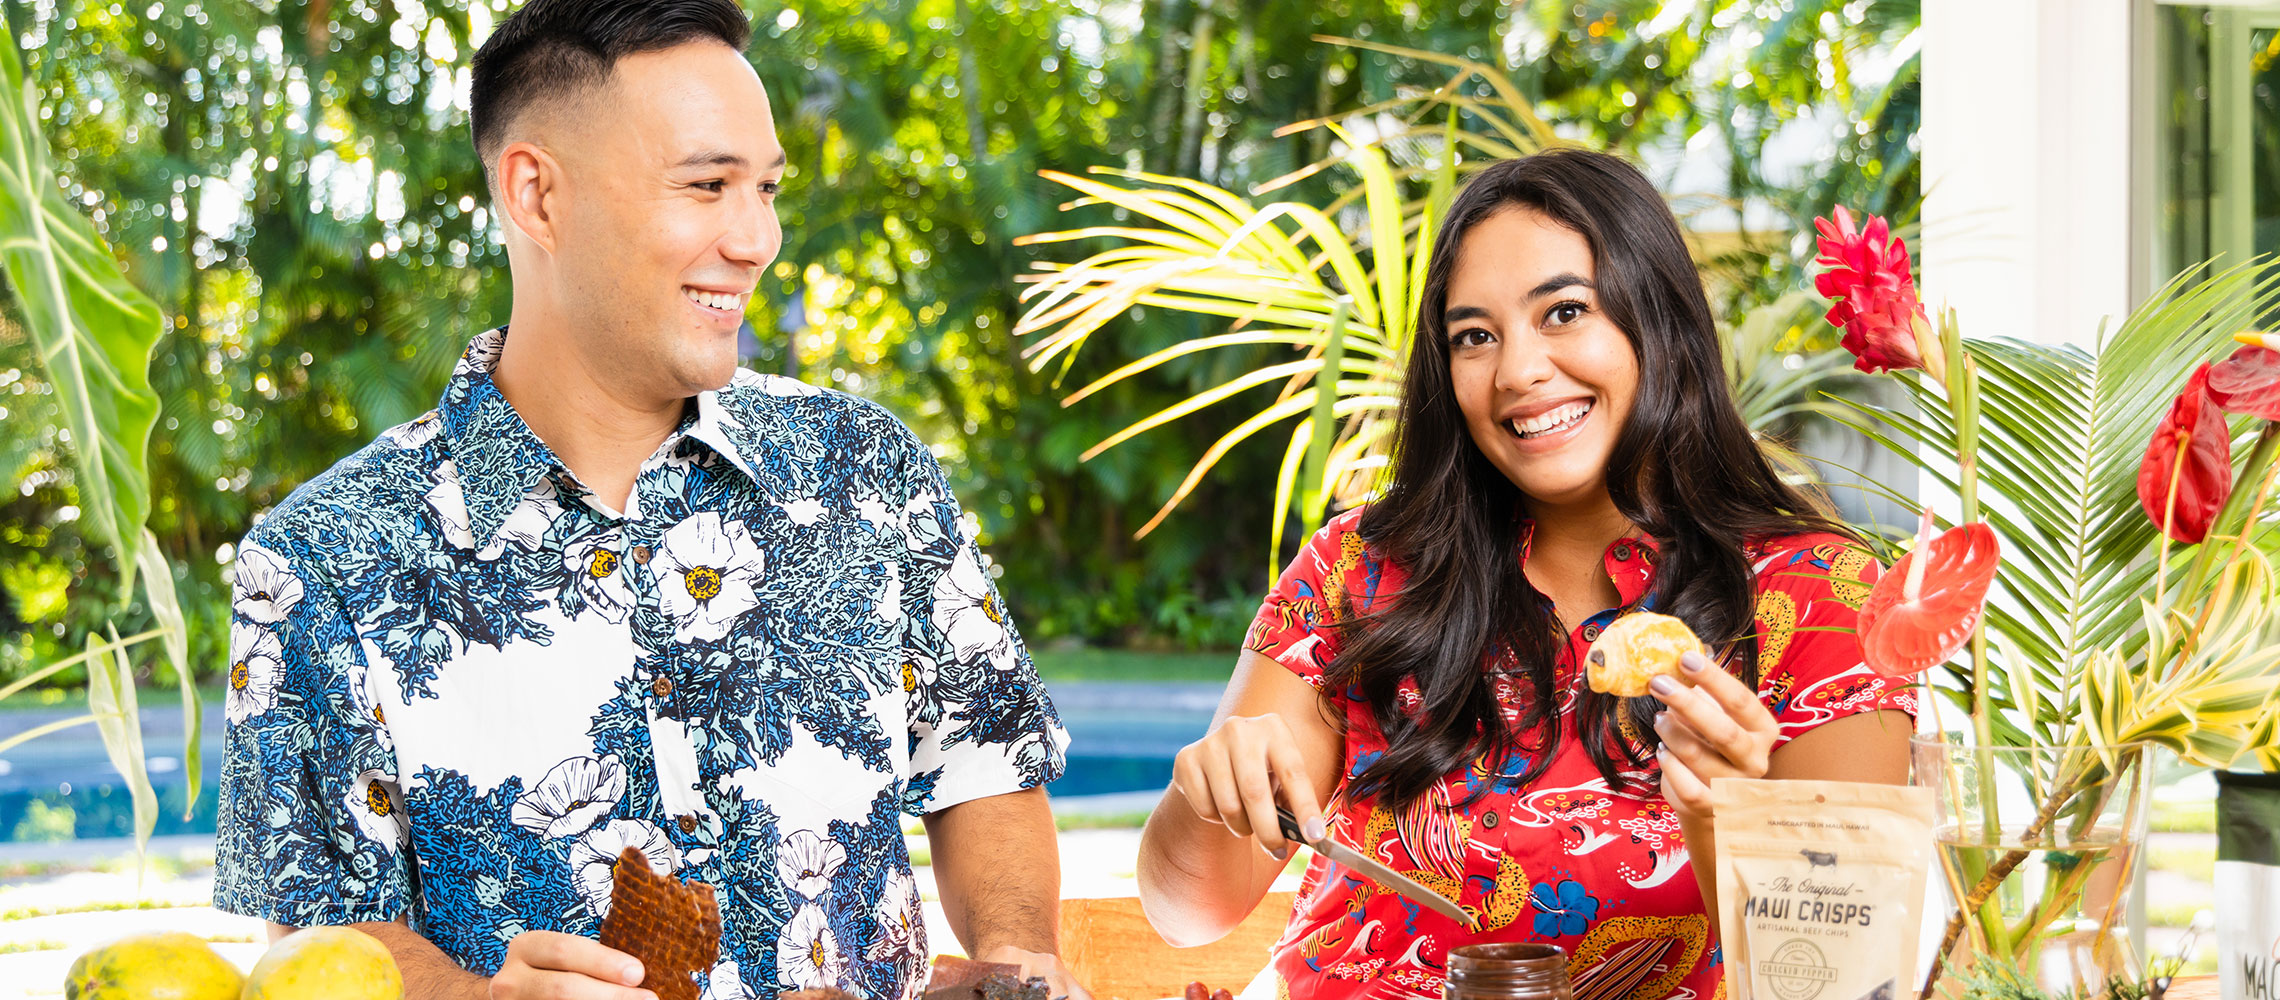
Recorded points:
1544,378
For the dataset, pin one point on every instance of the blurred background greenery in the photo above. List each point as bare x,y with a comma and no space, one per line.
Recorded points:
292,183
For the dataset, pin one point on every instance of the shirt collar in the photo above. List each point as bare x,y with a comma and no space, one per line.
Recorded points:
498,457
1630,562
720,428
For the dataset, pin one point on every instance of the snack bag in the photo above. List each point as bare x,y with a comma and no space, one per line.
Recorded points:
2248,886
1821,887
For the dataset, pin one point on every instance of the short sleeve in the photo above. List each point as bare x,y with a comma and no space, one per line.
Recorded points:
1297,626
981,722
311,828
1810,667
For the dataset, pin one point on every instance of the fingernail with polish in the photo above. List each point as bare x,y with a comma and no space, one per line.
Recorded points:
1660,718
1663,685
1315,829
1281,853
1694,662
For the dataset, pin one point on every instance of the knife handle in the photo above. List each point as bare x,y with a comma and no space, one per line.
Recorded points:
1289,824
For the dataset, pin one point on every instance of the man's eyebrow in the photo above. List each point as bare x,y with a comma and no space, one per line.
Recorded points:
1559,281
724,158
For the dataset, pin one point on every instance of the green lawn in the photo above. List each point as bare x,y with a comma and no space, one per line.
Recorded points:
1094,664
2184,817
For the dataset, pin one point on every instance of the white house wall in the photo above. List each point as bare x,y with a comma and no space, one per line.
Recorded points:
2027,160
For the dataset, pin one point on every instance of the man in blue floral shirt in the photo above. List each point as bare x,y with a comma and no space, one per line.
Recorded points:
614,592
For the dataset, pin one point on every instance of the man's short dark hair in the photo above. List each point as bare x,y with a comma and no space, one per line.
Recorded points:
551,48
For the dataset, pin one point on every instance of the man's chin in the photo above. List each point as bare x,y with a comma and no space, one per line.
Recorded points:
708,373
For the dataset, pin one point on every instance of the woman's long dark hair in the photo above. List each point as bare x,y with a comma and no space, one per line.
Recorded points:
1684,469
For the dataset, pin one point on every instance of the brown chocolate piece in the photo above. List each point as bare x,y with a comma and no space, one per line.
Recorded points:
673,927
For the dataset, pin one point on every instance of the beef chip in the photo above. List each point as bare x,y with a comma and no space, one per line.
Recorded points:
673,927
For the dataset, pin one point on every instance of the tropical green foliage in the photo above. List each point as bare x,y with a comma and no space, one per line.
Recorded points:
1305,287
1285,273
91,328
92,331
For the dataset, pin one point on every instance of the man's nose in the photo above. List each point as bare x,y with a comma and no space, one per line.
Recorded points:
754,236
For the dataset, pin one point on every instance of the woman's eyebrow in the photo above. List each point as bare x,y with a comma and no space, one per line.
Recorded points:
1568,279
1462,313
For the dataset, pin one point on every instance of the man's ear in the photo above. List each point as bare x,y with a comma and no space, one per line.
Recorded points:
529,192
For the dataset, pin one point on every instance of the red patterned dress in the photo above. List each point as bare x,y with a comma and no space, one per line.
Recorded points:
1563,859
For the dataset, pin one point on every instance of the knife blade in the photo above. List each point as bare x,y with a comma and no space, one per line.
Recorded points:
1376,871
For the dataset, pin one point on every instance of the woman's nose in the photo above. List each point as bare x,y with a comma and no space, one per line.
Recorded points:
1523,362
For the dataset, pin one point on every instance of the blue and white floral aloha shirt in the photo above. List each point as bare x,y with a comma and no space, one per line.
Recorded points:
460,685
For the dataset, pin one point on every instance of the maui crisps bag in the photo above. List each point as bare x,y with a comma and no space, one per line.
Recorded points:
1821,887
2248,886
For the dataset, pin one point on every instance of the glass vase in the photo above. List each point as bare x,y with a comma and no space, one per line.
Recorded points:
2039,848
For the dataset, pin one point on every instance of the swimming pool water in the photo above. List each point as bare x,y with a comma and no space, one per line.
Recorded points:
1122,738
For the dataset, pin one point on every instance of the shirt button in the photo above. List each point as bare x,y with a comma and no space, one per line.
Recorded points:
1623,552
1489,820
688,824
662,686
641,555
1591,633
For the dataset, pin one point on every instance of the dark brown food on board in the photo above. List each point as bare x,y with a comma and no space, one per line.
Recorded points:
952,973
673,927
964,979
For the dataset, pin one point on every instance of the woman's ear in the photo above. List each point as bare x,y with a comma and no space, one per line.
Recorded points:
527,192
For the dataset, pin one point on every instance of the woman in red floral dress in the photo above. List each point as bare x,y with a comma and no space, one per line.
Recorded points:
1567,452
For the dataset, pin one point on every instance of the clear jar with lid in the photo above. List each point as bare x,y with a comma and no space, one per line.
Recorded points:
1512,971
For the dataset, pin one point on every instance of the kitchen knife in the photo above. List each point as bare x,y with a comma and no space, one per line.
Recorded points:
1370,868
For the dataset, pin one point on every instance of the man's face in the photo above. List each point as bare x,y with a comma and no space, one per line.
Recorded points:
668,217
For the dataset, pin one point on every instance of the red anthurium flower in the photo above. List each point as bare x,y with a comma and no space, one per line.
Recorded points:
1922,611
2247,383
1874,295
2192,449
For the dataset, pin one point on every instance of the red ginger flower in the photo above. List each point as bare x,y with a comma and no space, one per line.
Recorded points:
1874,297
2192,449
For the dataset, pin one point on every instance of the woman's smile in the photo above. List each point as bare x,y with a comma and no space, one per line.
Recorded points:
1540,430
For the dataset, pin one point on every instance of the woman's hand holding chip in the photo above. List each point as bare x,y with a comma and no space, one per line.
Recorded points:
1712,726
